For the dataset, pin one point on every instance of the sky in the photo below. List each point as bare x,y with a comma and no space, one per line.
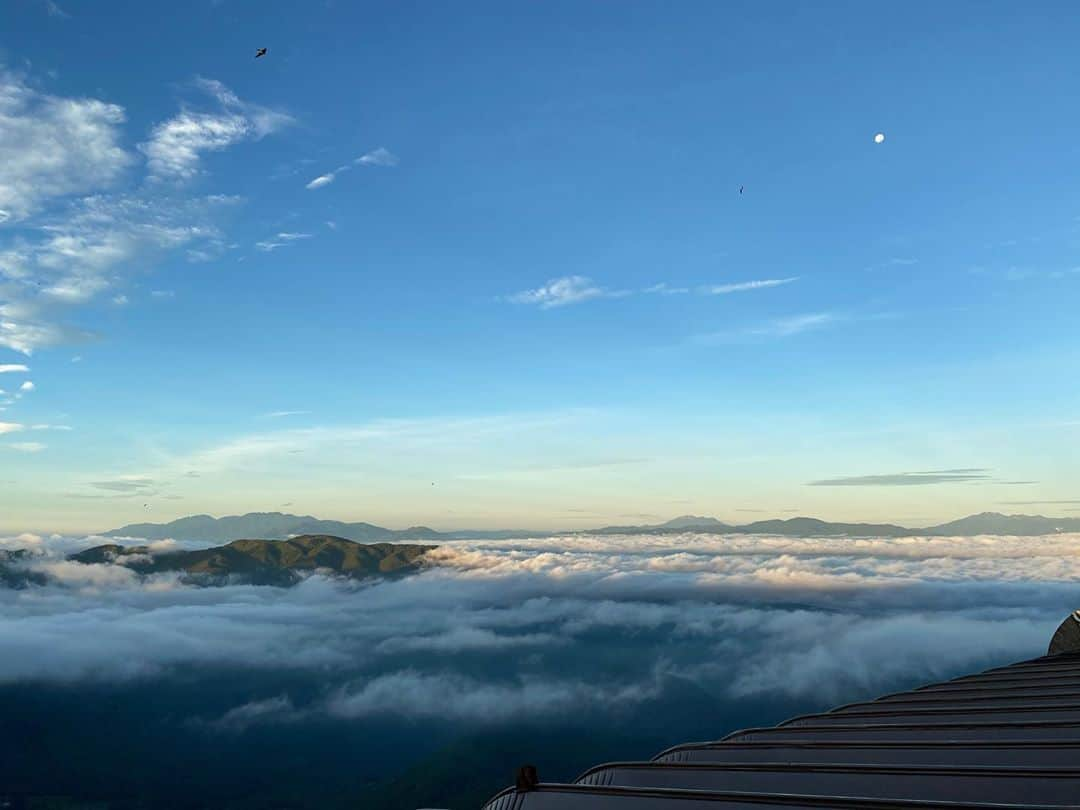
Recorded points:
490,265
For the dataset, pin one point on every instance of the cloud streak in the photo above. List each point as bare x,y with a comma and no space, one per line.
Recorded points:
283,239
906,479
744,286
576,289
376,157
27,447
561,292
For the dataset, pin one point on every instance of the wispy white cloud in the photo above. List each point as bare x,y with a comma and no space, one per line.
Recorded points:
120,300
406,434
574,289
11,427
560,292
776,328
24,335
55,10
59,161
281,414
27,386
176,146
162,293
322,180
376,157
283,239
663,289
9,368
27,447
743,286
782,327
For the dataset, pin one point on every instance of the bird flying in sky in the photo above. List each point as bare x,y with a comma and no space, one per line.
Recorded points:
260,52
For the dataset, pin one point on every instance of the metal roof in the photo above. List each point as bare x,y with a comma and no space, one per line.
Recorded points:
1008,737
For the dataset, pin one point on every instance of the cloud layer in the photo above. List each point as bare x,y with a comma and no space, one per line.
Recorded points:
491,630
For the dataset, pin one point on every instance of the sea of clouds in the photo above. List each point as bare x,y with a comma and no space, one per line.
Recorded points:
490,631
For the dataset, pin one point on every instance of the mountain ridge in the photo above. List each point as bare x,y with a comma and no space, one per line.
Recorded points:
265,562
281,526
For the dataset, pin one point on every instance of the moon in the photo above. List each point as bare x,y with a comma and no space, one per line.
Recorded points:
879,138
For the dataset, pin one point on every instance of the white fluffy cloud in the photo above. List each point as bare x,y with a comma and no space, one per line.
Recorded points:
8,368
60,159
176,146
52,146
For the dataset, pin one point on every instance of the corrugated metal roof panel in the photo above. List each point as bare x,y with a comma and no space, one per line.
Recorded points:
591,797
1008,737
934,752
1058,786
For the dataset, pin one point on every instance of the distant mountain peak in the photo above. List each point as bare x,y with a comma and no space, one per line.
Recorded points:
693,520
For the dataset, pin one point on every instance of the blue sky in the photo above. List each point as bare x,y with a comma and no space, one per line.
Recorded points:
532,294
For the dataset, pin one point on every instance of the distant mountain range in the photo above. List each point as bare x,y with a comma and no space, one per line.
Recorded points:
267,562
279,526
